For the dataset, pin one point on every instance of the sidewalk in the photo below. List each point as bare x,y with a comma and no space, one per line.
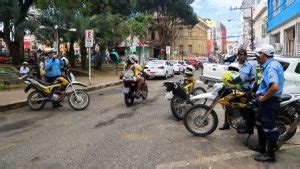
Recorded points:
11,96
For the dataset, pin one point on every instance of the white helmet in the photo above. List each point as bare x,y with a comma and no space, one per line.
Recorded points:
234,67
267,49
132,58
189,70
65,60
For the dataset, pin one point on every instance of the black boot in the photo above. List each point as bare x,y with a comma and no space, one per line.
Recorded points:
225,126
261,146
269,156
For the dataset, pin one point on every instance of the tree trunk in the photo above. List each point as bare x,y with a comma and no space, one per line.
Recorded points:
99,57
83,53
16,49
71,54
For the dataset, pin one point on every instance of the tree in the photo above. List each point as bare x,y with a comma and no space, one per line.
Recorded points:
168,16
14,16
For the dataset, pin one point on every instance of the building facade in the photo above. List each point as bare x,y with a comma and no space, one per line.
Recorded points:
216,37
260,19
247,21
191,41
284,26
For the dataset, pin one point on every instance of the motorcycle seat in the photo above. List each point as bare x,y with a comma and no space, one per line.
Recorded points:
285,97
44,83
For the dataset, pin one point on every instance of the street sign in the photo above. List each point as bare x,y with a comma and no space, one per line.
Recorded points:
168,50
89,38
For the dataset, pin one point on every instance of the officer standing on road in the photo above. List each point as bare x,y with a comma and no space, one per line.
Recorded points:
268,93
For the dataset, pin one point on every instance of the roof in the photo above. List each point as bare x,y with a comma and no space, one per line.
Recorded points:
287,59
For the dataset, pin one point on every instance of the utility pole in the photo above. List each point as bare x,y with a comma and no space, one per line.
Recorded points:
251,24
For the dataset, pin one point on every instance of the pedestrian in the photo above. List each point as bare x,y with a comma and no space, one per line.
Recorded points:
53,69
268,94
24,69
42,70
107,58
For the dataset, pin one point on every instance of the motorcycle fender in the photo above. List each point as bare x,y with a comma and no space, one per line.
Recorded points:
78,83
199,83
27,88
204,96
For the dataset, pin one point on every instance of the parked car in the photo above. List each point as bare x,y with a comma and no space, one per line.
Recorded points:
159,68
178,68
193,63
291,67
212,72
184,64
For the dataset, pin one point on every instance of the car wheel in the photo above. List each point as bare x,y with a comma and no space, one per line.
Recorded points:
166,76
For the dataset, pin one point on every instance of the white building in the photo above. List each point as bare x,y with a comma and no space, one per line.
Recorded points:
260,18
246,18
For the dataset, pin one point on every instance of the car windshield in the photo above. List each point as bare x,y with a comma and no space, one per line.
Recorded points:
155,62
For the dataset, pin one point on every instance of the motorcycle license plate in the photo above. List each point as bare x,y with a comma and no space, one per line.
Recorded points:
169,95
125,90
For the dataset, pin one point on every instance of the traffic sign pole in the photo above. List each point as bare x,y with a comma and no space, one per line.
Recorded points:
89,42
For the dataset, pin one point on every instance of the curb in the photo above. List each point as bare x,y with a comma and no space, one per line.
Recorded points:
23,103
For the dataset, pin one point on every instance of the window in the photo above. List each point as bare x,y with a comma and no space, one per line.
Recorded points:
190,33
180,33
297,70
284,65
190,49
180,49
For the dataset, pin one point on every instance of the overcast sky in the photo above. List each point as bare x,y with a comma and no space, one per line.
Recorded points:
220,10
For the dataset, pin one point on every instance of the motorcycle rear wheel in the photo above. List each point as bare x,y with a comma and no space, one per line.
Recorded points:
35,105
177,111
192,121
144,96
283,124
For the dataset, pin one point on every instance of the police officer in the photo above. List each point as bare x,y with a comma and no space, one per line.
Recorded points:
247,74
268,93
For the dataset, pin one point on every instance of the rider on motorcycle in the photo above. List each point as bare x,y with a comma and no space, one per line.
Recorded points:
132,65
189,80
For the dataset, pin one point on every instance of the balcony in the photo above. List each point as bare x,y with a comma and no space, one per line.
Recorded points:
283,13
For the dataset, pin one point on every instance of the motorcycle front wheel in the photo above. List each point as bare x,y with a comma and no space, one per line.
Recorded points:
79,101
128,100
197,124
35,100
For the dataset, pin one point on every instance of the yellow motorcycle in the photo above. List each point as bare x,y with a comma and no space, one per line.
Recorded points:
43,92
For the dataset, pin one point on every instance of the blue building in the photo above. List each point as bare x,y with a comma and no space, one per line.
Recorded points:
284,26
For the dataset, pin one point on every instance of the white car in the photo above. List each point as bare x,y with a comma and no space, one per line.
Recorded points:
291,67
184,64
159,68
178,68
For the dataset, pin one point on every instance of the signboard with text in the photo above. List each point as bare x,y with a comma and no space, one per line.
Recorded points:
89,38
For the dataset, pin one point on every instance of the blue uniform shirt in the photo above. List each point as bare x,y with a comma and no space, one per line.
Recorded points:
53,67
272,72
247,71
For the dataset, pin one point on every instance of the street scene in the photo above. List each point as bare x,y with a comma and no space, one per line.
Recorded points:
149,84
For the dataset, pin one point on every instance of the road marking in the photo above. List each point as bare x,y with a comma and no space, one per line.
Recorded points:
7,146
215,158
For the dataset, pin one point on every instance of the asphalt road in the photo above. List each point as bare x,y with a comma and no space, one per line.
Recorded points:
110,135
